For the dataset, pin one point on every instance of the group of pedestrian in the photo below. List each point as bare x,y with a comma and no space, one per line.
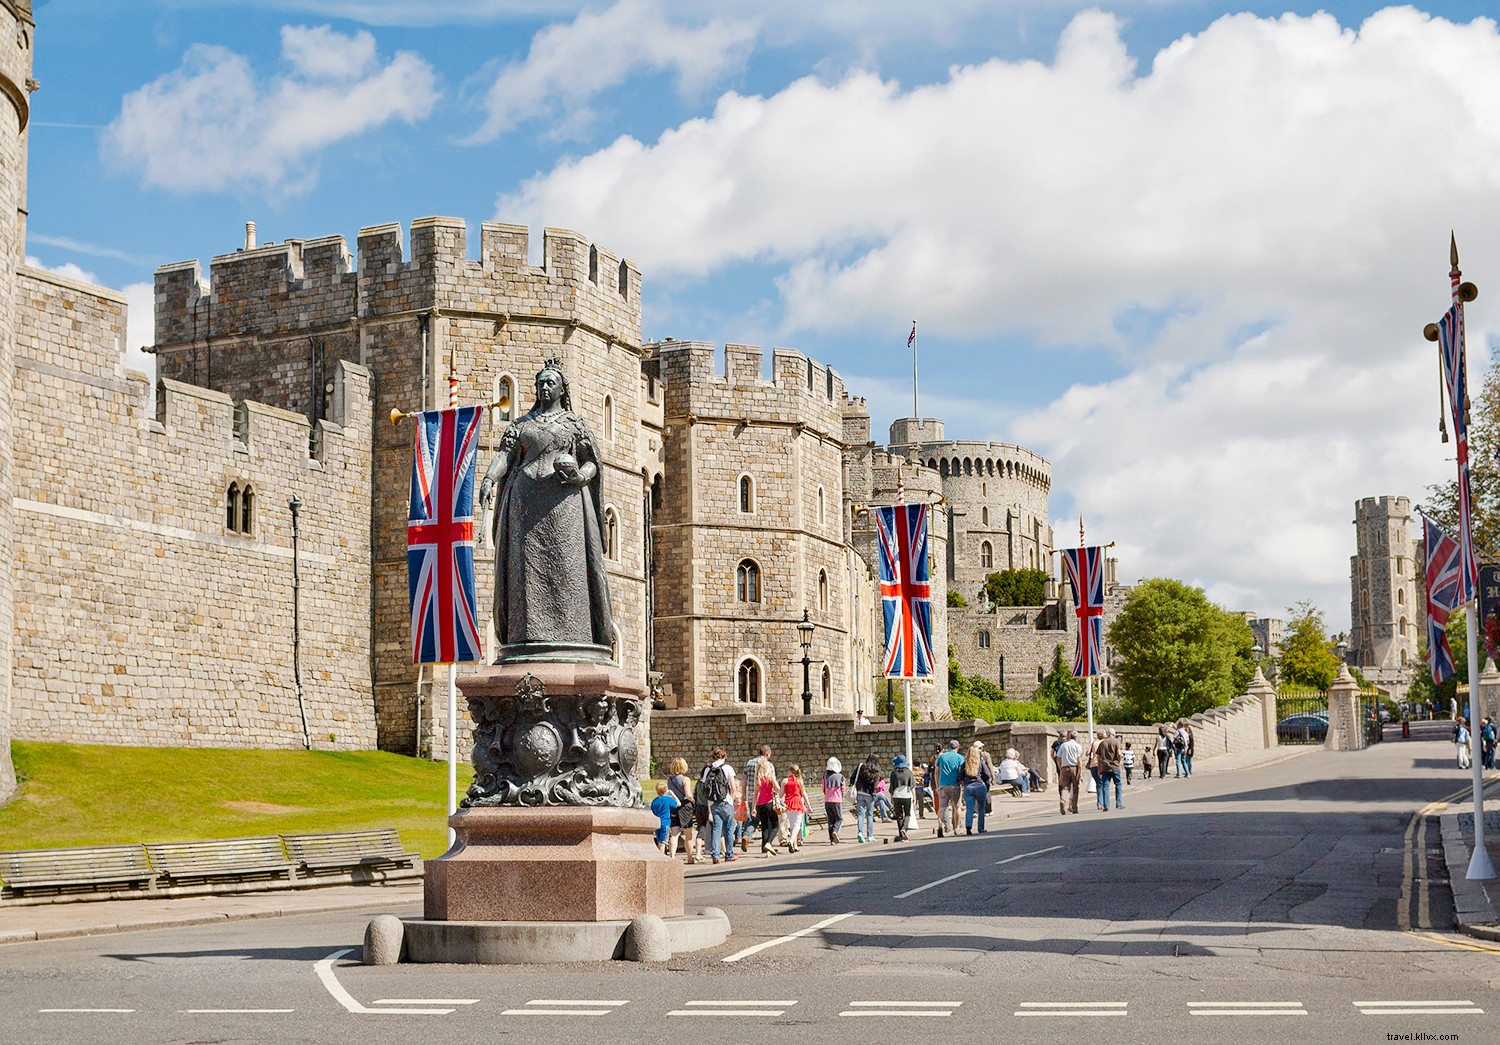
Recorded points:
1111,763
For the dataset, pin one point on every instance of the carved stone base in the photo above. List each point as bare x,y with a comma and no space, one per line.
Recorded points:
553,864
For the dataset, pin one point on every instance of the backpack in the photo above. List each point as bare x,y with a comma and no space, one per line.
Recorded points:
715,786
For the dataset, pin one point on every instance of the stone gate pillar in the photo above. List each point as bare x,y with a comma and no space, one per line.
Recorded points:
1345,730
1262,690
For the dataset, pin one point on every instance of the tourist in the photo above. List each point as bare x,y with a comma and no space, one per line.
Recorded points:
718,782
741,815
767,798
932,782
866,776
1012,771
662,807
1179,746
683,826
1069,755
1110,759
974,778
949,764
752,774
1461,739
1163,751
796,807
1187,747
1092,759
833,798
923,797
1128,760
1487,735
1146,763
883,808
903,790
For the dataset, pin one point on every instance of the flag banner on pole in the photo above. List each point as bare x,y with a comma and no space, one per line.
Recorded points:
1456,384
1085,568
440,537
905,590
1442,577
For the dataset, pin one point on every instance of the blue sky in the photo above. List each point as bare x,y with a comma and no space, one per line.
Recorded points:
1184,250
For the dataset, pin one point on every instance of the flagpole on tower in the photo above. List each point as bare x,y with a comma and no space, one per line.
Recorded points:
1449,333
911,343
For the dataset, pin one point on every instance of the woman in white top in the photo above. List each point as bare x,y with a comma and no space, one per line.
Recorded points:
1013,772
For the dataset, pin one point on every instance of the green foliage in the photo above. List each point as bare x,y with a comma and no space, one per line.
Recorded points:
967,707
1422,689
1016,587
956,599
1177,653
1060,693
187,794
896,699
1307,654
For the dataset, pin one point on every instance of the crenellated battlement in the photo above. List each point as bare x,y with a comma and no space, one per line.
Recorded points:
800,390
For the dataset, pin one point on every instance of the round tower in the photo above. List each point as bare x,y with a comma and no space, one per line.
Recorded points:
16,31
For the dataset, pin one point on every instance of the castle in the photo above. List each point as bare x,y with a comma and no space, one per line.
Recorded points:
1385,615
224,563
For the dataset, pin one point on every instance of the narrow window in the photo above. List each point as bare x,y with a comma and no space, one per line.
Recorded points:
986,556
984,517
827,687
611,535
1040,677
609,419
505,391
823,591
1400,596
247,508
822,507
747,495
624,280
593,264
809,375
232,507
747,689
829,373
984,640
747,582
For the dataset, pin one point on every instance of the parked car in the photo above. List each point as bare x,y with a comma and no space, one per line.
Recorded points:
1306,725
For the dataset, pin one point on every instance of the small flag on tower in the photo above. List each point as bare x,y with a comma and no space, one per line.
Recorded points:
1085,568
905,590
440,537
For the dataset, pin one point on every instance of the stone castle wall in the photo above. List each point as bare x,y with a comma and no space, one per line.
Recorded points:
784,436
280,312
1384,614
144,617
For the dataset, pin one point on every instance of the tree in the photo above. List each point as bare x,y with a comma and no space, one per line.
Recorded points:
956,599
1016,587
1060,693
1422,689
1177,653
1307,653
1484,471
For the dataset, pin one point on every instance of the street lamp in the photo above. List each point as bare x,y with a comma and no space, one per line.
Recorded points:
805,636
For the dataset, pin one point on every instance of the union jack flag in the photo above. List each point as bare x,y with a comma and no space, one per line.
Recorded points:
905,590
1442,577
1456,383
440,537
1085,568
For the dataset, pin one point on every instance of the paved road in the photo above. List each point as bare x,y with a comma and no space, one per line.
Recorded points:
1302,900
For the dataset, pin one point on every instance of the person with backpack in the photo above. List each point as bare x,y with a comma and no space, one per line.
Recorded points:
833,798
1487,735
903,791
714,789
866,777
1461,739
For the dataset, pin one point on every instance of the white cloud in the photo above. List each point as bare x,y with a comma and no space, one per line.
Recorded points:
214,124
570,63
1255,224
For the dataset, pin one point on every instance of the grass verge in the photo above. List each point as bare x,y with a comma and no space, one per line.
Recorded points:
74,795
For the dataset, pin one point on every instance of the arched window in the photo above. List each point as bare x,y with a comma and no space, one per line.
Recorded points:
1403,627
232,508
984,640
747,495
968,466
984,517
1400,596
1403,658
1040,676
822,507
609,419
611,534
593,264
984,489
624,280
247,508
505,388
823,591
747,682
827,687
986,555
747,582
943,468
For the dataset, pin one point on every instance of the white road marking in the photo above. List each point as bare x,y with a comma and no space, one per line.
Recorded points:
901,1008
825,923
85,1010
1022,856
330,982
932,885
425,1001
1071,1008
1246,1008
228,1011
565,1007
1418,1008
730,1008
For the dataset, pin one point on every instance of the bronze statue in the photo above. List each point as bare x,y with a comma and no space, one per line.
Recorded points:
551,592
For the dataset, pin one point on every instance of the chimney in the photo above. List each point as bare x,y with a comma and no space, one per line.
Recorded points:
249,235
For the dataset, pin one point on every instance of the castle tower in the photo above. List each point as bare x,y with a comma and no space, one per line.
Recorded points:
16,31
1383,612
276,318
751,533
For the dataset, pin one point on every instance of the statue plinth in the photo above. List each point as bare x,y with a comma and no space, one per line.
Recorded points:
552,829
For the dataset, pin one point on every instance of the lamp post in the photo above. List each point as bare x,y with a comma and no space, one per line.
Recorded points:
805,636
294,505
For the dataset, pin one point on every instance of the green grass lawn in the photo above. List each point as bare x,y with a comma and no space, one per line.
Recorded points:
73,795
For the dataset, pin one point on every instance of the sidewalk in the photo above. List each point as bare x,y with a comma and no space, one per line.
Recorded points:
1476,904
55,921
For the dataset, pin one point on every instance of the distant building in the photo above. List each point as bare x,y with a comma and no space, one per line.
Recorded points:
1383,613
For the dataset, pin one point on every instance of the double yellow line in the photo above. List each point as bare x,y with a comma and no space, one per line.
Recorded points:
1414,859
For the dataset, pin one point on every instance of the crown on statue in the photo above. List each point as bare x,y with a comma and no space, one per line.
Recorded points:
553,363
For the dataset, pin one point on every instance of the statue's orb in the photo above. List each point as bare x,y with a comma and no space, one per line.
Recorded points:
539,750
627,751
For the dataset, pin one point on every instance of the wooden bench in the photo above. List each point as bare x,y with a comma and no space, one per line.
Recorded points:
223,859
351,852
86,869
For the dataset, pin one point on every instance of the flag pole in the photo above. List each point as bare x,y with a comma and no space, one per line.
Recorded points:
911,343
1088,680
452,748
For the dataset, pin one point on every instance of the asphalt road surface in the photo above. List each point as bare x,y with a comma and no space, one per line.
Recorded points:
1301,900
